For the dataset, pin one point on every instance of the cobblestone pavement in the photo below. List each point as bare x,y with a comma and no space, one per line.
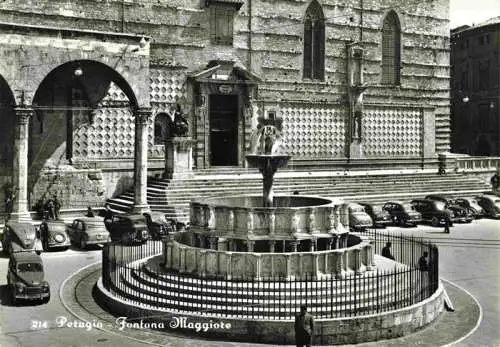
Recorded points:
76,295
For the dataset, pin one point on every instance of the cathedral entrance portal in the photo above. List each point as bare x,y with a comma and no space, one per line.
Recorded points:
223,130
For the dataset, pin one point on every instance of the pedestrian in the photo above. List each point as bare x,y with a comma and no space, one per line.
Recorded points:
50,206
423,264
57,207
90,213
386,251
495,181
447,225
304,327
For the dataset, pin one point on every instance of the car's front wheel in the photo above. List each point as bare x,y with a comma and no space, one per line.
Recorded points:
13,298
435,221
46,300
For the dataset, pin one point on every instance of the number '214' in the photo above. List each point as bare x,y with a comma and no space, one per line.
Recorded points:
39,324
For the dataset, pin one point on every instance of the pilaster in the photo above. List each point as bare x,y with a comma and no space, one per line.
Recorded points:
20,209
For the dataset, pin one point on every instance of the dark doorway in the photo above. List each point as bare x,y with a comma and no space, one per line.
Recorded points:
223,130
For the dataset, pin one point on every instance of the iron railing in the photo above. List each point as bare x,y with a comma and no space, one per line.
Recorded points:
149,284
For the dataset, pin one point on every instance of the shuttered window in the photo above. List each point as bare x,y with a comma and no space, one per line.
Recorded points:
391,50
221,25
314,42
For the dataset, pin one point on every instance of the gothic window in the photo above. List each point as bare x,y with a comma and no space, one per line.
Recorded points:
314,42
391,49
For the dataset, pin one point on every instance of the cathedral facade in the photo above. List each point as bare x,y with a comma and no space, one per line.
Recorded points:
88,88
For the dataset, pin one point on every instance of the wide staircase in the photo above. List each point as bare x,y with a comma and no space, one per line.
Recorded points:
172,197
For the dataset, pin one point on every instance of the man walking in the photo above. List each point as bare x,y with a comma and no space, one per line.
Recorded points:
447,226
386,251
304,327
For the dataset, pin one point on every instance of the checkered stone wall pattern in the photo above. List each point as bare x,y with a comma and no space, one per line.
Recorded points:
111,133
392,132
314,131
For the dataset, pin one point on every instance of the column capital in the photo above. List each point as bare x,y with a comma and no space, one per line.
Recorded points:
24,113
143,114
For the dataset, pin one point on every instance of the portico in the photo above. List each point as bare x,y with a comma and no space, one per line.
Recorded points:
37,63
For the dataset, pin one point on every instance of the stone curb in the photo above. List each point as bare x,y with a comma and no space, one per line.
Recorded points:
76,294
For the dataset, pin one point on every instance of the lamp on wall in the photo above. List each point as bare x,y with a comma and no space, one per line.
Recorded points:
78,71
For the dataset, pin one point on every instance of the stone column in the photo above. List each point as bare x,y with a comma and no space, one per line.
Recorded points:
20,167
314,245
142,116
250,246
294,245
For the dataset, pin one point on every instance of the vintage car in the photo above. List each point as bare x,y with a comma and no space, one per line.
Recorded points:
379,216
358,218
86,231
129,228
25,278
53,235
402,214
21,236
460,214
490,205
433,211
471,204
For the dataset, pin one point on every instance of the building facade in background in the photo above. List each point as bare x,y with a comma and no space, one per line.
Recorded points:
475,83
89,86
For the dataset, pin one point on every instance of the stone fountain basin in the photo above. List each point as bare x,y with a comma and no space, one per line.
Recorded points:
255,201
292,216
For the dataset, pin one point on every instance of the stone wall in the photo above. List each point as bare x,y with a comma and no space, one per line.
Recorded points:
273,48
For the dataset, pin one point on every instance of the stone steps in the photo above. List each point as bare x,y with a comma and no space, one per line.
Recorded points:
235,299
172,197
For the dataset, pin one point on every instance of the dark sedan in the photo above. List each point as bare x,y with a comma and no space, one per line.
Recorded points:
434,212
472,205
460,214
490,204
402,214
379,216
131,228
53,234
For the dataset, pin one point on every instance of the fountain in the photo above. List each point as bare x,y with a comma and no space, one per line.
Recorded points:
253,260
266,156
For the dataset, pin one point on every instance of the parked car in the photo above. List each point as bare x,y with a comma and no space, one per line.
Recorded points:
490,205
21,236
460,214
358,218
86,231
25,278
402,214
379,216
471,204
53,235
129,228
434,212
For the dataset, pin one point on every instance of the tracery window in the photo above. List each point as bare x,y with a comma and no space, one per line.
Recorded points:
314,42
391,49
